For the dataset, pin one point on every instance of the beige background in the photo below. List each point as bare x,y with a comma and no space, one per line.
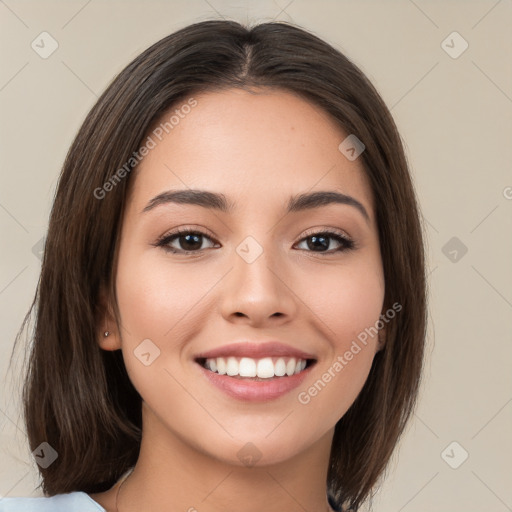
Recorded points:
455,116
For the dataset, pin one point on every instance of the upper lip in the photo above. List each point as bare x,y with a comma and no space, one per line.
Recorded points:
255,350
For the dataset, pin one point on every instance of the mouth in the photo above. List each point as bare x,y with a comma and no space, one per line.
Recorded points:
257,370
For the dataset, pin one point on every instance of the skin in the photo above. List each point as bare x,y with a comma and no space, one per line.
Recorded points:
257,148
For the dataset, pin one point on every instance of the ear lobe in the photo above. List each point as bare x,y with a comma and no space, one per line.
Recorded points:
109,341
381,343
107,334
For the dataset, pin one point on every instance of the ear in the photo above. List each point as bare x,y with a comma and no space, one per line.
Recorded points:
381,342
107,335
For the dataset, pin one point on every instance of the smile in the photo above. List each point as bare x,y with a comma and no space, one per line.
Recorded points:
255,372
256,369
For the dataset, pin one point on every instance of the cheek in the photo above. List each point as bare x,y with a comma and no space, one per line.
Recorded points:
347,300
352,309
162,303
156,299
348,306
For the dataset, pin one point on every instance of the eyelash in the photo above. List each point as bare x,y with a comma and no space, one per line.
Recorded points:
346,244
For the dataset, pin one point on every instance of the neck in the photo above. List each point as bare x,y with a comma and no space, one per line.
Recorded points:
172,475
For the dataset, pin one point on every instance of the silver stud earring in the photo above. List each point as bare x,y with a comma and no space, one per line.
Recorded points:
106,333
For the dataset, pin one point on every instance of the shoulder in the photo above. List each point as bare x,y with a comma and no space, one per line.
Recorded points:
69,502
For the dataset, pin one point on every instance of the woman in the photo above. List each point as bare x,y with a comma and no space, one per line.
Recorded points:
232,306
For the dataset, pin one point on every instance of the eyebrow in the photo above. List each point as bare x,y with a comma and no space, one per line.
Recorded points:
217,201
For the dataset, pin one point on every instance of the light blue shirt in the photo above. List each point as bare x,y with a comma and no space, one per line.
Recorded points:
69,502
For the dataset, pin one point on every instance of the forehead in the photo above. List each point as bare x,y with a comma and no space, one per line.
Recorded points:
249,145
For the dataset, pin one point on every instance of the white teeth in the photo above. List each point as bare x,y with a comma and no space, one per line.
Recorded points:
221,365
265,368
247,367
232,367
280,368
212,364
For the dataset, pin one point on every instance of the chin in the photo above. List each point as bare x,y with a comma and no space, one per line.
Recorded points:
258,448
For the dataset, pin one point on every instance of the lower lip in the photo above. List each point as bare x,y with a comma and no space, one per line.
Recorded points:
253,390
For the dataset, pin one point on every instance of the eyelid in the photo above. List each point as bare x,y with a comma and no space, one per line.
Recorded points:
187,229
163,240
337,231
203,230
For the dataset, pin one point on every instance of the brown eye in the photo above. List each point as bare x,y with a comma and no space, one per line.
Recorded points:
184,242
322,242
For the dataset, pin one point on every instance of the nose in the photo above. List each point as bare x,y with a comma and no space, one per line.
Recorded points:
258,293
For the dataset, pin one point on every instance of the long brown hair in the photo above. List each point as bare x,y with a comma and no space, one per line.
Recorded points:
77,397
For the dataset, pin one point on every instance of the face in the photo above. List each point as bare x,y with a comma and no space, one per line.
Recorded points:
214,290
